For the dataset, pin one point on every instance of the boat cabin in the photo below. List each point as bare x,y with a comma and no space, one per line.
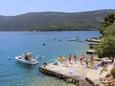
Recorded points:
27,56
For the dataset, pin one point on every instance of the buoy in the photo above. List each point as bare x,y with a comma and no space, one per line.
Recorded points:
43,44
9,58
38,57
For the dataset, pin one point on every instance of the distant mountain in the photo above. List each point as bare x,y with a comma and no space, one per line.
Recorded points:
53,21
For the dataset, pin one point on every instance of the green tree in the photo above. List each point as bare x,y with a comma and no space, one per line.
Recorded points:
108,20
110,30
107,47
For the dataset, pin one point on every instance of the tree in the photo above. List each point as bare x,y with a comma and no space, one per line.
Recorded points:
108,20
107,47
110,30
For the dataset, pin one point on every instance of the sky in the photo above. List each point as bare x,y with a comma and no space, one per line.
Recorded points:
16,7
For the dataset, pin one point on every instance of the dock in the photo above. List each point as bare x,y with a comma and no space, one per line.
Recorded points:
74,73
93,44
90,51
94,40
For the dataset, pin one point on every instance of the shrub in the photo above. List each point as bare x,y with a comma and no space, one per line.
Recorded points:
113,72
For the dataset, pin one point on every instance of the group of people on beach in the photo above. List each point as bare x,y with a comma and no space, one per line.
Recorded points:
82,60
89,62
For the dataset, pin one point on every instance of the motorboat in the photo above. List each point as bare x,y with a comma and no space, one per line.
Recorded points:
26,58
77,39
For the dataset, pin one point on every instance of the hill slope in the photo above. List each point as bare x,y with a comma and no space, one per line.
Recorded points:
53,21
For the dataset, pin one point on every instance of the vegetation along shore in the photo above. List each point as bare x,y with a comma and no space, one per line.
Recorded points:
106,46
54,21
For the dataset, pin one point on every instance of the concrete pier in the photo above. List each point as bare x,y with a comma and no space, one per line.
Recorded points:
59,72
75,73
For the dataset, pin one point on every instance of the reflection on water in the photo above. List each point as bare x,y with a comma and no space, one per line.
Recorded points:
26,66
45,81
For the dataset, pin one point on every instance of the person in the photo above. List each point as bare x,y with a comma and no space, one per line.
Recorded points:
86,61
91,58
74,58
61,59
69,58
104,68
83,57
44,64
92,61
81,60
96,66
26,56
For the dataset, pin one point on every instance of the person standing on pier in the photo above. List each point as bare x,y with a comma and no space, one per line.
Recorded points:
69,58
92,61
74,58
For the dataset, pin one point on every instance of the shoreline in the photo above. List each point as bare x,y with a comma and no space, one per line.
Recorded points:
75,73
54,31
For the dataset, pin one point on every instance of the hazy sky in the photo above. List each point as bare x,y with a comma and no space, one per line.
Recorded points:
14,7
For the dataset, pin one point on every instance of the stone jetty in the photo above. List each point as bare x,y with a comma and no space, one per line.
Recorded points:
75,73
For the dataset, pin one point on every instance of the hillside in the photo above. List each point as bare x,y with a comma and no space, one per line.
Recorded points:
53,21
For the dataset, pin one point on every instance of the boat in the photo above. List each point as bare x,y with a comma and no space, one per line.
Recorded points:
26,58
77,39
94,40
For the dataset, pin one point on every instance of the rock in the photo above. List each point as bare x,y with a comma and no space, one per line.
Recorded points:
69,80
84,83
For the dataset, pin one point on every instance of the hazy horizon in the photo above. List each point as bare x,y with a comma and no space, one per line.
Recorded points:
56,11
16,7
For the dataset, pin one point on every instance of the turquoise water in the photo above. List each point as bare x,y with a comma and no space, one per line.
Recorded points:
15,43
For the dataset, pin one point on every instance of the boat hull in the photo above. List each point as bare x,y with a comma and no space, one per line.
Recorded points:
21,60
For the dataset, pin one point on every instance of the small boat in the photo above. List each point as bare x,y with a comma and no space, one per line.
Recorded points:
26,58
77,39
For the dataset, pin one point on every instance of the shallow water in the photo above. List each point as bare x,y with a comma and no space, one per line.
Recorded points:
15,43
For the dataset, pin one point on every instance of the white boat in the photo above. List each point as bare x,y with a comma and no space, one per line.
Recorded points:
27,59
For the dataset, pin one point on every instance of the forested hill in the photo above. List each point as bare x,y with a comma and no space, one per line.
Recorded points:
53,21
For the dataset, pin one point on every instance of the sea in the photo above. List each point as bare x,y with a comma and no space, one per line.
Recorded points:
47,45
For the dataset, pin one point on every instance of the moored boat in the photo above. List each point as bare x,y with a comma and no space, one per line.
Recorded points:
26,58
